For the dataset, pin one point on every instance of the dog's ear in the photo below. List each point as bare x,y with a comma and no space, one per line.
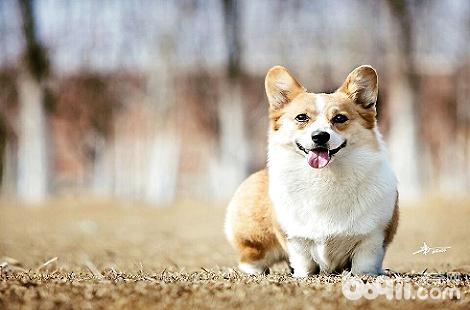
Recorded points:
361,86
281,87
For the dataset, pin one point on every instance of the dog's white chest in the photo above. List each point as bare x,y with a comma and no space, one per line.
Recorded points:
320,204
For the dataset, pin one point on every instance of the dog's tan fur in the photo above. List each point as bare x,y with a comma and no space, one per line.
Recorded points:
256,231
251,225
392,226
255,228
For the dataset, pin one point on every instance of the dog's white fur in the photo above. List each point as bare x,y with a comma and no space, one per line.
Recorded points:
342,215
323,210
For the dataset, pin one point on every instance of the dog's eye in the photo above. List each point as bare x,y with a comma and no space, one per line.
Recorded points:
339,118
302,118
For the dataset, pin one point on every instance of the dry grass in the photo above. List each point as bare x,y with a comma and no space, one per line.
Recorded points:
85,254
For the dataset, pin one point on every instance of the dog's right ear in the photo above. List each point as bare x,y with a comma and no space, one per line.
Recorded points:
361,86
281,87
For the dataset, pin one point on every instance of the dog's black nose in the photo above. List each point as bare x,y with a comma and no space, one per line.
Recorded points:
320,137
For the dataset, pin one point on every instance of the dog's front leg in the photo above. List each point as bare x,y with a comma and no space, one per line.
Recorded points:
300,257
368,255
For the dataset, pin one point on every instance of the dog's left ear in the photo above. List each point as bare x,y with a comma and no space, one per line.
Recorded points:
281,87
361,86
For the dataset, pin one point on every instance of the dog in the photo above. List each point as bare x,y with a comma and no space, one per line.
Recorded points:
327,201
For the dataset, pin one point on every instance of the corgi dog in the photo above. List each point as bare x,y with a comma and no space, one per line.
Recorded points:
327,201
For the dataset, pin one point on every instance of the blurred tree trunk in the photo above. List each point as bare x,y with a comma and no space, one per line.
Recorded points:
232,38
403,135
233,145
32,153
3,148
146,155
161,178
463,121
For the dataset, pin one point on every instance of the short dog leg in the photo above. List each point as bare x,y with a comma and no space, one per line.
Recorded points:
300,258
368,256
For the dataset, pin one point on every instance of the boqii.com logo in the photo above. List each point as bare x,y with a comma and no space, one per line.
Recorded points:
398,289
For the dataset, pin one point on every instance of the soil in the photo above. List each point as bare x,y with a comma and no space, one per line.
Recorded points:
88,254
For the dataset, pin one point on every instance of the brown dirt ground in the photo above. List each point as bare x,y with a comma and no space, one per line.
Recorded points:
118,255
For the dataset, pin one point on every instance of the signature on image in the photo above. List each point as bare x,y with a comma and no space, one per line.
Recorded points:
426,249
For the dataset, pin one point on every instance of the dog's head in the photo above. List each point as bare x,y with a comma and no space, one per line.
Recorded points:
320,127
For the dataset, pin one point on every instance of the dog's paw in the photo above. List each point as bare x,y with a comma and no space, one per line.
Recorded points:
300,274
369,272
253,269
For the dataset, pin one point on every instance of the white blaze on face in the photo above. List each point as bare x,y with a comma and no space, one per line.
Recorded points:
319,104
321,123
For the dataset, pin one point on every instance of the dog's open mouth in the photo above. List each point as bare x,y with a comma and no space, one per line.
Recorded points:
319,157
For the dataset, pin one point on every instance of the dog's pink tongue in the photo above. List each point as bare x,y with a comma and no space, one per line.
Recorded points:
318,158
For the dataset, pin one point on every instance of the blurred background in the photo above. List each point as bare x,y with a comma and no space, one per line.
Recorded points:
154,101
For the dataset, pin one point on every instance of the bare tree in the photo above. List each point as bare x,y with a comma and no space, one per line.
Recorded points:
32,153
3,145
163,148
403,140
233,148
